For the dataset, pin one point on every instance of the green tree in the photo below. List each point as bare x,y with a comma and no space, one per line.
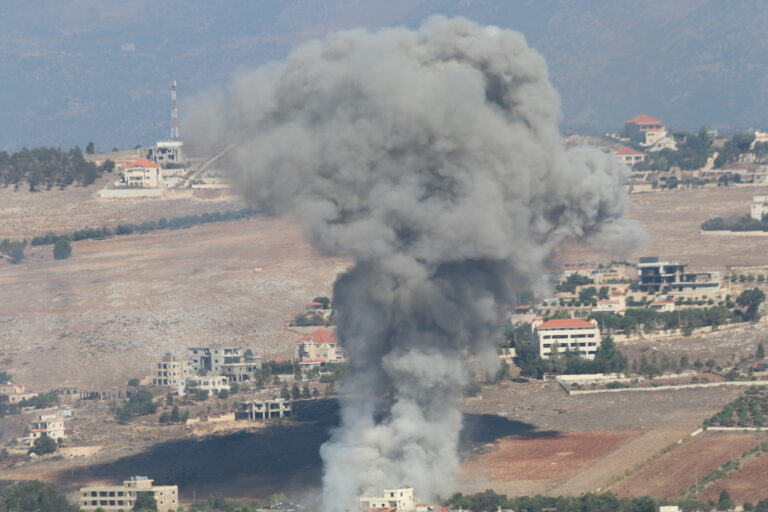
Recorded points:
145,502
43,445
760,353
672,182
34,496
325,301
295,392
175,416
724,502
223,394
90,148
750,301
762,506
711,363
133,382
61,249
108,165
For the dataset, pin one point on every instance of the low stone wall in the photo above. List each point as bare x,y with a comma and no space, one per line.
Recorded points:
129,193
667,388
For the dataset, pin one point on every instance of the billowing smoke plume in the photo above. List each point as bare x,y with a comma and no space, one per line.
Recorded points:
432,158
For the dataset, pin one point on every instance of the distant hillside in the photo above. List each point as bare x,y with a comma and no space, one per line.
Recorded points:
85,70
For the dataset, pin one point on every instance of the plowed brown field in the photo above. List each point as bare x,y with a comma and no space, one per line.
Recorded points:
676,471
749,483
543,458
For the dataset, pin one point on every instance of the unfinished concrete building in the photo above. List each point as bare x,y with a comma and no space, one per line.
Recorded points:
663,276
166,153
169,372
123,497
257,410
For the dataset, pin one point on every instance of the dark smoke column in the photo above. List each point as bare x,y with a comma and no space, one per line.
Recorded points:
433,159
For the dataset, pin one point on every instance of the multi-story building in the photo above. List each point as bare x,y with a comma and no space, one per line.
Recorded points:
320,345
166,152
663,276
210,383
263,409
142,173
566,335
169,372
45,425
651,129
212,357
13,393
241,372
399,499
123,497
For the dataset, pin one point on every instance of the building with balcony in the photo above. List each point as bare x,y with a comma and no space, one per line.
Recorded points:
123,497
663,276
169,372
320,345
395,500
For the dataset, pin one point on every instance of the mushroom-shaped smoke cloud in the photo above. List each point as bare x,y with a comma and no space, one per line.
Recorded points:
432,158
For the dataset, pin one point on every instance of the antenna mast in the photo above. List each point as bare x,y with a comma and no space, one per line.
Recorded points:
174,113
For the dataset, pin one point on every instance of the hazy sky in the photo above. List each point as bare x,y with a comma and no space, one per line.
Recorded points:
99,70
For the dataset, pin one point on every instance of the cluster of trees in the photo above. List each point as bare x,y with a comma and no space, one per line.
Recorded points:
12,250
741,223
145,227
34,496
573,281
297,393
175,416
608,359
648,320
43,445
45,168
692,152
490,501
748,410
736,146
40,401
140,404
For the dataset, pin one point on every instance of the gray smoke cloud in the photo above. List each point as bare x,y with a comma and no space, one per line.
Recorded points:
431,158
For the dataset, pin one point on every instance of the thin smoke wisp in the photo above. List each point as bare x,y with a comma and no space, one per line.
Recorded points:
432,159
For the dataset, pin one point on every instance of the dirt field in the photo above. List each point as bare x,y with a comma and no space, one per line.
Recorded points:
748,483
118,304
542,458
673,219
674,472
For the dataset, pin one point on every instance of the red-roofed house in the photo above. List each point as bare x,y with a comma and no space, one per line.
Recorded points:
142,173
320,345
566,334
652,129
629,156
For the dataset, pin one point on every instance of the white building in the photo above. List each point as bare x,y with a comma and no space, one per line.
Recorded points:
759,207
400,499
569,334
166,152
142,174
212,384
662,305
629,156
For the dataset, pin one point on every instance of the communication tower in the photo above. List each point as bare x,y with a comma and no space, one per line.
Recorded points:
174,113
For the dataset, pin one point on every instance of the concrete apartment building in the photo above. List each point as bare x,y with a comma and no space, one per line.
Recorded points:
45,425
400,500
561,335
142,173
210,383
255,410
227,361
319,346
663,276
165,152
123,497
169,372
14,393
